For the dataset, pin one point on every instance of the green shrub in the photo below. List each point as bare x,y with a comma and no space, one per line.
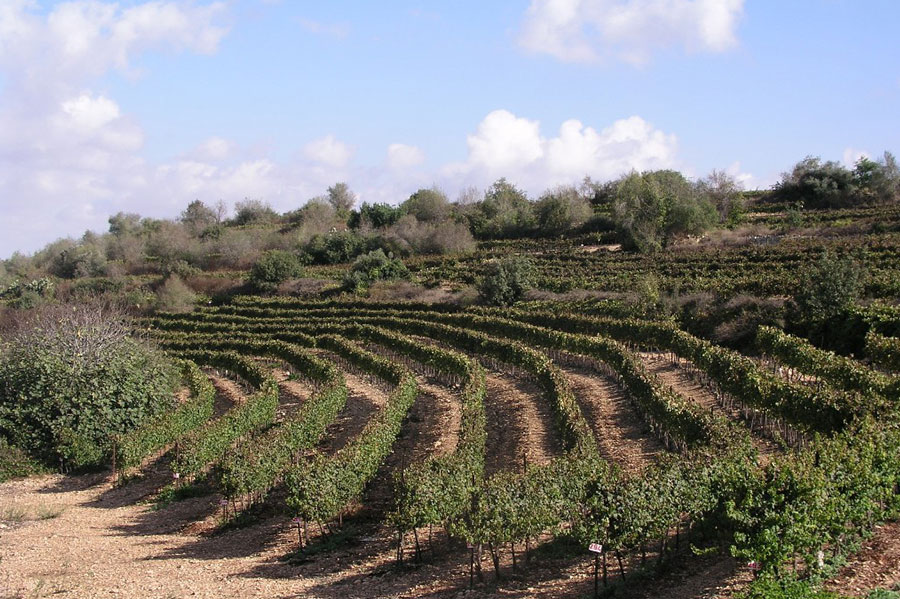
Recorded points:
771,588
15,463
273,268
506,281
374,266
71,378
175,296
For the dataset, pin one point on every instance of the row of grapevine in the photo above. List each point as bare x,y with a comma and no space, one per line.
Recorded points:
437,490
322,489
839,371
257,462
737,375
883,351
208,444
675,419
132,448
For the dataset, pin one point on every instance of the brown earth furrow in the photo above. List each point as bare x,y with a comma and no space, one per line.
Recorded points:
520,427
622,435
681,381
875,566
364,399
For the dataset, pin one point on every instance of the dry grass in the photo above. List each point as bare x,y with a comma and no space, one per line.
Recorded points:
26,513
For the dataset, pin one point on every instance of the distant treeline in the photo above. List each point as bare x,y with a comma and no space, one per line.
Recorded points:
642,211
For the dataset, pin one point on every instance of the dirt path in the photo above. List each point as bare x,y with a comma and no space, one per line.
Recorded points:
519,422
228,394
875,566
681,381
438,410
291,393
622,436
363,400
84,551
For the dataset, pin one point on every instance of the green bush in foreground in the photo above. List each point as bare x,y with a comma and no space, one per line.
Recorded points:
71,378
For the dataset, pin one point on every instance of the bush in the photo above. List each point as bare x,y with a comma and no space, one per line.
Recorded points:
336,248
770,588
73,377
15,463
651,209
253,212
371,267
175,296
506,281
274,268
561,210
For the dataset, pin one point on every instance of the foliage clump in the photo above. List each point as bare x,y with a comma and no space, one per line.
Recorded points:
506,281
372,267
73,377
273,268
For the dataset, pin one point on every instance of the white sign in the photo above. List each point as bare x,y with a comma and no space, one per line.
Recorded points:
595,547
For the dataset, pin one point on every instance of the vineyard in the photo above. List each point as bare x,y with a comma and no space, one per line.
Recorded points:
453,448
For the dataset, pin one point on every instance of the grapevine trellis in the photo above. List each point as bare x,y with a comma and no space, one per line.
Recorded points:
704,478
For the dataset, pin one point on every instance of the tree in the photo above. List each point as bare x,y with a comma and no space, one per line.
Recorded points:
121,224
650,209
829,287
724,192
504,212
253,212
341,199
506,281
878,181
197,217
72,378
560,210
274,268
427,205
376,216
817,184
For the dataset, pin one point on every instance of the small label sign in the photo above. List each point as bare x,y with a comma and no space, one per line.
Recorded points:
595,547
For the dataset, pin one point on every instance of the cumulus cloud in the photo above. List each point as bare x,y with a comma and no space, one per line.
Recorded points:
328,151
70,156
402,156
505,145
628,30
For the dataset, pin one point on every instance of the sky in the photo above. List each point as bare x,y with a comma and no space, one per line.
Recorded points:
145,106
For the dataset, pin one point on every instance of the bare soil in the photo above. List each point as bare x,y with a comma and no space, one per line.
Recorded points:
520,425
875,566
364,399
622,435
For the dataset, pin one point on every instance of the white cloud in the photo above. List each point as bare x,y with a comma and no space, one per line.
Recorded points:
505,141
852,155
214,149
505,145
329,151
628,30
88,114
336,30
69,156
402,156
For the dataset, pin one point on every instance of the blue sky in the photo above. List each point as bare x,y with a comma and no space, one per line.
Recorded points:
144,106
